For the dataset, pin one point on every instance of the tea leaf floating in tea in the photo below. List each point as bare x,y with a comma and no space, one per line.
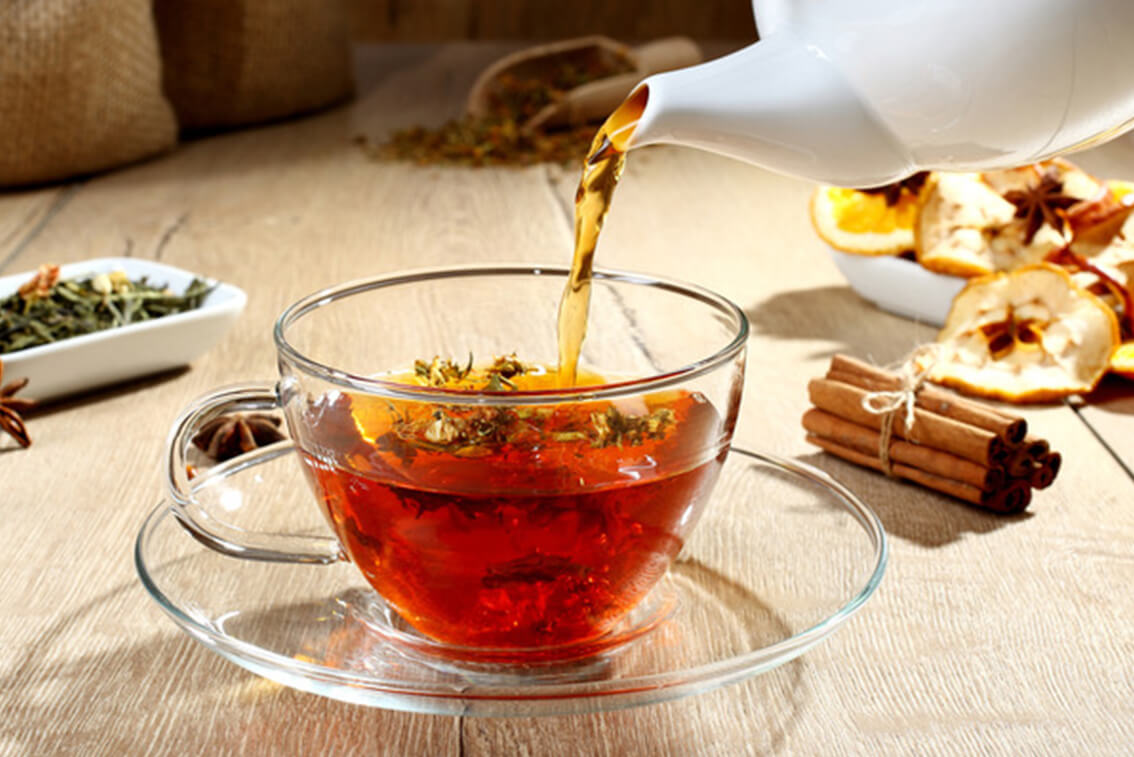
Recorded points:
439,372
616,428
473,430
497,377
47,309
11,407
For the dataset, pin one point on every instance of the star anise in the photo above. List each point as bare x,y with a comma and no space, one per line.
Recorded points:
11,407
232,435
893,192
1039,203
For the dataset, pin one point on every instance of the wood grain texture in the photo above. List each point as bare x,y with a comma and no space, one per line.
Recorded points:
990,635
24,214
1109,411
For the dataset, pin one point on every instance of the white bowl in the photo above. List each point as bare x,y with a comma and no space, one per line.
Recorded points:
900,286
107,357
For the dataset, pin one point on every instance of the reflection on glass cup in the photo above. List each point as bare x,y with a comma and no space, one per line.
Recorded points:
508,514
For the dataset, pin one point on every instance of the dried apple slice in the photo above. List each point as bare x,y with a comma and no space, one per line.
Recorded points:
957,223
974,224
868,222
1031,335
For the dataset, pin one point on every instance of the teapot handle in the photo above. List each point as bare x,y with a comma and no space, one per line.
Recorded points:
207,527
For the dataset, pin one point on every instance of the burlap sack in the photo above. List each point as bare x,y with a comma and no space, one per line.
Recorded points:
233,62
80,88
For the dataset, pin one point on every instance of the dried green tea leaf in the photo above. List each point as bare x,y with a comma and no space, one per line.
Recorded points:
47,309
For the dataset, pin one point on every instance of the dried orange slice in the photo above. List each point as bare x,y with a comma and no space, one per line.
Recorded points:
1122,361
975,224
1031,335
868,222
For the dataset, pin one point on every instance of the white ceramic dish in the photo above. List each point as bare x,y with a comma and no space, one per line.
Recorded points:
900,286
107,357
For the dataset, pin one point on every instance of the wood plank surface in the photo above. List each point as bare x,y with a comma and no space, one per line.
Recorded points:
991,635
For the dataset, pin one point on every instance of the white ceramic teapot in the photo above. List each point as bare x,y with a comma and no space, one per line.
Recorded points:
862,93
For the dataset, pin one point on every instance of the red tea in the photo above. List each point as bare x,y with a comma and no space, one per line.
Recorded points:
513,526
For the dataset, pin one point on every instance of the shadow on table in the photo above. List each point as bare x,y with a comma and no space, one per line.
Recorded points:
837,314
118,701
1114,394
65,404
910,512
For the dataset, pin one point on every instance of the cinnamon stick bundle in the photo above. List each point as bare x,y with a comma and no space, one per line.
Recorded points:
865,441
957,446
930,429
1009,428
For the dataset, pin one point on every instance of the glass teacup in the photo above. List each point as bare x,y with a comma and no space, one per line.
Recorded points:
488,506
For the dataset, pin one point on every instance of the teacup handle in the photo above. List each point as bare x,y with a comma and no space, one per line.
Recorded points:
210,530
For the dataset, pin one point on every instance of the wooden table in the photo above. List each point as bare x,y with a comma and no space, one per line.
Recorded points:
1005,636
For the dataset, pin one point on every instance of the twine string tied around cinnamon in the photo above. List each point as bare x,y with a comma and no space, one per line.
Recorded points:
913,372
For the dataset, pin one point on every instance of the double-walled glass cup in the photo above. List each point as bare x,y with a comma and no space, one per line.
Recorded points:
506,513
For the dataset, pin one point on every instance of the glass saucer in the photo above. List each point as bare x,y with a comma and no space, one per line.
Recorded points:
783,556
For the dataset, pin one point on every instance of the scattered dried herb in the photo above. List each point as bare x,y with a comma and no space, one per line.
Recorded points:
231,435
11,407
473,142
500,137
47,309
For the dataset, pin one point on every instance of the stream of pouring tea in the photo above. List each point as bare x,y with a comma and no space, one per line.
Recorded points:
601,171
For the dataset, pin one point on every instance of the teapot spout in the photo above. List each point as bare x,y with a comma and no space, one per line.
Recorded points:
780,104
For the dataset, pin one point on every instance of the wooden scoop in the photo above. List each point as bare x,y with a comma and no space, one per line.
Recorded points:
594,100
